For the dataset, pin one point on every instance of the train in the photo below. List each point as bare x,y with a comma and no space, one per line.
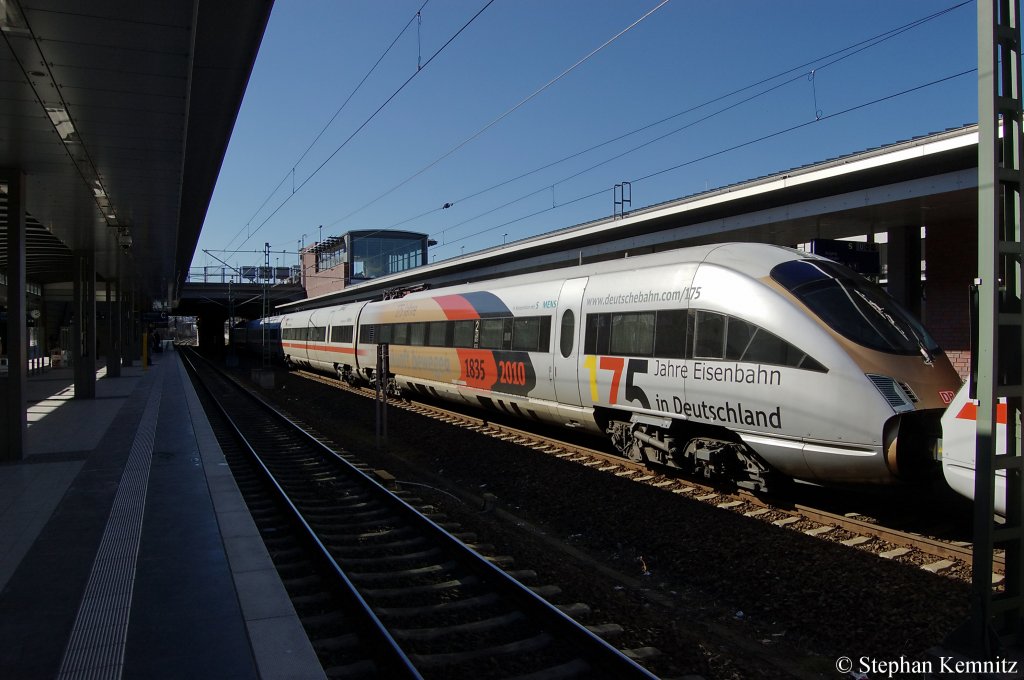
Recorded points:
754,362
959,431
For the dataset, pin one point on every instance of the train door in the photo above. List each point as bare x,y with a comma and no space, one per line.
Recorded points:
568,340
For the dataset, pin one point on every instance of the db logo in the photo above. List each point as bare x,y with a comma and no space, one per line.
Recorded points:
947,396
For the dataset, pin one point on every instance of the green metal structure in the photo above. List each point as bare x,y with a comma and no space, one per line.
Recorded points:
997,609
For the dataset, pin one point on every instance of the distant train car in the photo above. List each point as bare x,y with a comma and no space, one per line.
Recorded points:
322,339
253,336
742,360
959,429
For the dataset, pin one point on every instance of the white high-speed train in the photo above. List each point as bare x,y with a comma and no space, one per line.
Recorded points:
745,360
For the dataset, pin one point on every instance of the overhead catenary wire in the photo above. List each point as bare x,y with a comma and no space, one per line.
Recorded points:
510,111
800,70
735,147
549,185
369,119
719,152
416,17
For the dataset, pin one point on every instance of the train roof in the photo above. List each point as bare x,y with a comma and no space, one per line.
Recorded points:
752,259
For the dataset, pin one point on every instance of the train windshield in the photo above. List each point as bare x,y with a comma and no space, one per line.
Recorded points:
854,307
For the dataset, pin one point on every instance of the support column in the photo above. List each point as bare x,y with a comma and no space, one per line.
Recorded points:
133,342
904,261
123,314
113,332
15,418
84,328
211,333
952,263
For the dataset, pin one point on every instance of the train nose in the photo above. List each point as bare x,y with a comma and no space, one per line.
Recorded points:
912,445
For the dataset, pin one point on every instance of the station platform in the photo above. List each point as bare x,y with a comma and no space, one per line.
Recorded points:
126,550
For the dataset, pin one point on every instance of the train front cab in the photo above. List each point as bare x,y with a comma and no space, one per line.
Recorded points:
892,351
959,432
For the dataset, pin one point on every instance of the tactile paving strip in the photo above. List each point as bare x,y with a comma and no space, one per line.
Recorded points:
96,647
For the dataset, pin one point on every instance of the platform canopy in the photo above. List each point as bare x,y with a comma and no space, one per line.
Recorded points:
118,114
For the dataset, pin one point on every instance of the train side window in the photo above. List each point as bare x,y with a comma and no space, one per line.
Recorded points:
691,333
368,333
596,339
768,348
464,333
526,333
437,333
341,333
747,342
318,333
385,332
492,332
632,334
506,333
567,333
709,342
399,334
418,334
809,363
670,334
739,336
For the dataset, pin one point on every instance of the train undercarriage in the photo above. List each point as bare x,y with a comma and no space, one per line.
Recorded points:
708,452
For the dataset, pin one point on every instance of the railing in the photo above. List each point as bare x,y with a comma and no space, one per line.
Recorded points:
261,274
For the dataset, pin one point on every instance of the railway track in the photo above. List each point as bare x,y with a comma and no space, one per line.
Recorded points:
383,589
854,530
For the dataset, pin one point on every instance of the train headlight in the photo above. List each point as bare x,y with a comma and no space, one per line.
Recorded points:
897,396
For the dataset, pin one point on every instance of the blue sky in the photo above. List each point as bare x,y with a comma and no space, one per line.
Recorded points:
421,150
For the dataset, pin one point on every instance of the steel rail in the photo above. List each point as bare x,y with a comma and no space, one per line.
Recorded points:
606,660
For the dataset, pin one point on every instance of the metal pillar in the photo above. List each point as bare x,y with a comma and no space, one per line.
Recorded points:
113,332
84,326
997,618
130,349
264,313
211,332
15,415
124,316
904,272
